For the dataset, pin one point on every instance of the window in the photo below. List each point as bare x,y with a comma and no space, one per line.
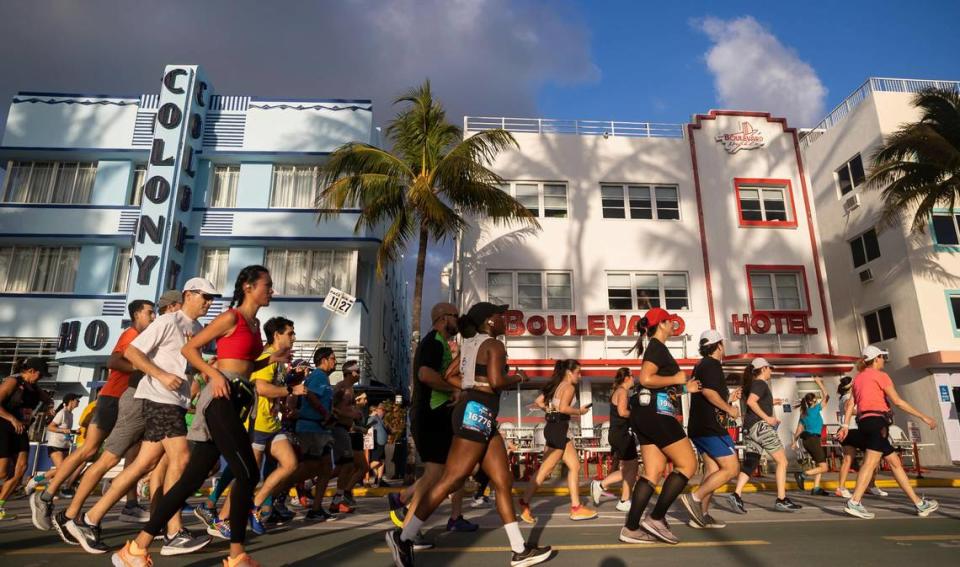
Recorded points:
764,202
865,248
532,290
225,178
294,187
777,289
49,182
639,202
547,200
851,175
139,180
121,271
880,325
49,269
651,289
946,228
953,306
213,266
310,272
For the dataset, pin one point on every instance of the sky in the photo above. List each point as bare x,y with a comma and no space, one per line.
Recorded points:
603,60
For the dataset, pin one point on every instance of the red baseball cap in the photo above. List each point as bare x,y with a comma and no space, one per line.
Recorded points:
658,315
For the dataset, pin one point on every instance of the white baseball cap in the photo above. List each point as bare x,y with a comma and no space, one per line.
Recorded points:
202,285
759,363
871,352
710,337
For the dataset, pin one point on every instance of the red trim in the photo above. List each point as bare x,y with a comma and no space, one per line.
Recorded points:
779,268
702,225
738,181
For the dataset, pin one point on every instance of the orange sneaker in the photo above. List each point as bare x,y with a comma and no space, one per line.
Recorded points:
581,512
242,560
525,514
127,558
340,508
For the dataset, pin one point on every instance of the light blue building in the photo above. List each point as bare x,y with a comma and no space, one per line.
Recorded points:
109,198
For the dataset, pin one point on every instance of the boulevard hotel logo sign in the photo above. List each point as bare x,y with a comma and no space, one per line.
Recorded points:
747,138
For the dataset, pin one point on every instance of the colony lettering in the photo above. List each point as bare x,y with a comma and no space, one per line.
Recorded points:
571,325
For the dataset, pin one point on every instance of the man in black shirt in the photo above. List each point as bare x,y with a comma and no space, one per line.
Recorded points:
710,409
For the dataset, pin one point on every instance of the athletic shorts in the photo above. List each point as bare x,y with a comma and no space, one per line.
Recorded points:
131,425
874,429
761,438
378,454
853,439
11,442
342,449
623,444
52,450
356,441
163,421
716,446
475,416
432,434
315,445
811,443
555,434
105,414
262,439
652,428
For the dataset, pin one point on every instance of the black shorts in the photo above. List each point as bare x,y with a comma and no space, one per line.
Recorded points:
356,441
377,454
11,442
433,434
874,430
105,414
853,439
812,445
652,428
163,421
623,444
475,416
51,450
555,434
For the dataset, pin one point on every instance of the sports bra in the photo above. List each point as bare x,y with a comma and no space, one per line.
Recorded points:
470,369
242,343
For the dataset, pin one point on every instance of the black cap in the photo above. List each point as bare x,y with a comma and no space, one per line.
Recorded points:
479,312
69,397
38,364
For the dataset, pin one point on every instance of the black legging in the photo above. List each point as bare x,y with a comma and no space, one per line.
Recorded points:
482,481
232,441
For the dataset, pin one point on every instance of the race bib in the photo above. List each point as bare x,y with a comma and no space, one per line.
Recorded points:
477,417
665,404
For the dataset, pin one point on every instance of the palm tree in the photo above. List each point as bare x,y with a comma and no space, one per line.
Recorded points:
427,186
918,166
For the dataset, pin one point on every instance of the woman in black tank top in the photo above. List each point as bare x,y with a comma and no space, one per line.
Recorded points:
19,395
623,444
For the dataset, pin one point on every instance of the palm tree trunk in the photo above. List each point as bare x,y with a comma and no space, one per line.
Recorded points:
418,293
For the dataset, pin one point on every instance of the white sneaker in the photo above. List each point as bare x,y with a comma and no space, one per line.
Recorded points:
623,505
877,491
33,482
596,490
843,493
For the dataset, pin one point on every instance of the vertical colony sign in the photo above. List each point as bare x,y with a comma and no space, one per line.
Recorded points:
171,173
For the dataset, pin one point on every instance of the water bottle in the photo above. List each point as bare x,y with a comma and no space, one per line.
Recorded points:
644,396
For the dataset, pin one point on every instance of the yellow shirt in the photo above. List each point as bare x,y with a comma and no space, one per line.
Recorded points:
266,420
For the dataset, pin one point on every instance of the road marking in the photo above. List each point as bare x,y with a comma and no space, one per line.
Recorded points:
590,547
45,551
923,537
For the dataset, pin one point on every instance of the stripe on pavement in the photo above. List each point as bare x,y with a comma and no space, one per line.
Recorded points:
589,547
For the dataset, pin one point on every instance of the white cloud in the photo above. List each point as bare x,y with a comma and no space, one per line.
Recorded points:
753,70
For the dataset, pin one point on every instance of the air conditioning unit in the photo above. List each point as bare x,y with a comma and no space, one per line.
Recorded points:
866,276
851,203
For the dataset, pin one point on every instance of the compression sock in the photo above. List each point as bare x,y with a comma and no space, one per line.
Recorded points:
672,487
642,492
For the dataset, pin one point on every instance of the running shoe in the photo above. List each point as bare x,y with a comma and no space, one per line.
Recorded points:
68,492
531,555
341,508
927,507
33,482
134,513
320,515
579,513
394,502
87,536
843,493
219,529
801,480
857,509
60,524
525,515
623,505
242,560
256,522
305,502
694,509
461,524
398,516
41,511
596,491
126,558
206,515
818,491
711,523
480,502
6,516
877,491
281,510
636,536
183,542
420,543
786,505
736,502
402,550
660,529
349,499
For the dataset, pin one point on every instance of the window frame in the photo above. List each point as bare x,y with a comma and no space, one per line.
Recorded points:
37,250
233,170
863,245
853,186
955,216
296,166
634,305
786,185
951,295
135,198
544,299
876,313
49,191
654,205
352,262
117,284
201,269
773,269
510,188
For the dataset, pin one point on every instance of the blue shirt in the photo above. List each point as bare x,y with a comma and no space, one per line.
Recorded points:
813,421
310,420
379,429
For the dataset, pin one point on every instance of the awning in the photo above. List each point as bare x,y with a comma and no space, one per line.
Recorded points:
936,360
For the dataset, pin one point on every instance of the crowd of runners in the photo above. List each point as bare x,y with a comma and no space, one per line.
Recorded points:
185,404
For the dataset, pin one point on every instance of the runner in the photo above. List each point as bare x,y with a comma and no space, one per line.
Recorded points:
873,392
653,417
851,443
560,391
809,432
345,415
480,372
380,433
760,434
360,464
60,430
622,441
710,410
19,396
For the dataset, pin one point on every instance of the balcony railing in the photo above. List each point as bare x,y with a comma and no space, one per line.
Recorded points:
577,127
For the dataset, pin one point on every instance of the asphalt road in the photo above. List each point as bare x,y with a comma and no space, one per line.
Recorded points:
820,534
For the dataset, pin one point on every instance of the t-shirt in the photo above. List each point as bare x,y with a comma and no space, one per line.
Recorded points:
666,401
63,419
812,422
868,391
380,429
311,420
117,381
432,352
161,342
266,420
706,419
765,401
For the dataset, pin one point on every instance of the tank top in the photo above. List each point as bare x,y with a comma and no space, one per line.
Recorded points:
618,423
24,396
473,373
555,406
843,405
242,343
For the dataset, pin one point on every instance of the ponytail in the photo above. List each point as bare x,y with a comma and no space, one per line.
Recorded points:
247,276
622,374
746,380
560,369
806,402
468,328
644,329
